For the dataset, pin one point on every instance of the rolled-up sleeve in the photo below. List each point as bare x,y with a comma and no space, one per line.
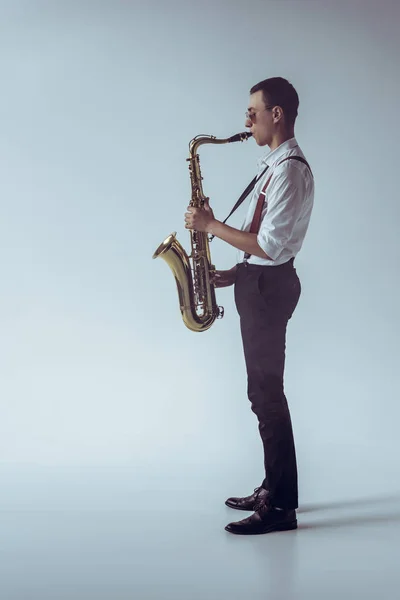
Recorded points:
285,198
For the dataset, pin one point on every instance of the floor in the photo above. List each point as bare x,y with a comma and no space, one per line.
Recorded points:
72,534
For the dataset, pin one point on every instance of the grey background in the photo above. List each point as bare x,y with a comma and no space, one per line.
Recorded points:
121,432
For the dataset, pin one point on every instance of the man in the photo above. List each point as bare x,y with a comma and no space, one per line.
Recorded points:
267,290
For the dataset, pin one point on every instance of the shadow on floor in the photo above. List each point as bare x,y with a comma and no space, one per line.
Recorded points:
356,502
366,519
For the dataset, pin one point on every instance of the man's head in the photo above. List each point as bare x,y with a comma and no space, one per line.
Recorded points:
272,111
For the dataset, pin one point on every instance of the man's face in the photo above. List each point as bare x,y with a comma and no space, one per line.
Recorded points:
259,119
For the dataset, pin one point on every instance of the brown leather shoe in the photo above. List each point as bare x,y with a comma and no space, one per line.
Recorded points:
265,520
249,502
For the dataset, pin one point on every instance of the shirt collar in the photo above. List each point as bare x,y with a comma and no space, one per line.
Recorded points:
271,157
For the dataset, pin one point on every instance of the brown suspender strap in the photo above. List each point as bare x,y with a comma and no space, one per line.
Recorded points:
300,158
256,222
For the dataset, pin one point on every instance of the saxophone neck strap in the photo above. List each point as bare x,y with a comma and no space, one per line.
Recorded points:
243,196
261,198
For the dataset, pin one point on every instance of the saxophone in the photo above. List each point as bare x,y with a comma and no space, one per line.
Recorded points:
196,293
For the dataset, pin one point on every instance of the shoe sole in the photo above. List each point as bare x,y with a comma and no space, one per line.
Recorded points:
239,507
278,527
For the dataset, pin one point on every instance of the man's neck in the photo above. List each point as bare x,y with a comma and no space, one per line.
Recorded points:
280,138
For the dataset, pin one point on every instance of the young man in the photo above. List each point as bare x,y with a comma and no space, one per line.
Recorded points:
267,290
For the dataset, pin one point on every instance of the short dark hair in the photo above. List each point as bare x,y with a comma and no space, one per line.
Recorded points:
277,91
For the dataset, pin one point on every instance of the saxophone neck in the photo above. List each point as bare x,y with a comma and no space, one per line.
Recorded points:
199,140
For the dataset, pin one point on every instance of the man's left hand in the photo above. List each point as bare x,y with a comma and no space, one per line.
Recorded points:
199,219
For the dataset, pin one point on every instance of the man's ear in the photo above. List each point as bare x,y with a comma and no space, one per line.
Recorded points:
277,113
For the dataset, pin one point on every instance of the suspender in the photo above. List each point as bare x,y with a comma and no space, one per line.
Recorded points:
255,224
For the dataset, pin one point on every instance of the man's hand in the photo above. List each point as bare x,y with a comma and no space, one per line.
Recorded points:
199,219
224,278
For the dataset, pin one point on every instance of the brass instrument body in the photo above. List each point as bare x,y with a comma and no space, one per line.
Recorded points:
196,293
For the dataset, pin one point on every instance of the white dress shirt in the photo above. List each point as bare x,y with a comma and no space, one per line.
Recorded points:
287,208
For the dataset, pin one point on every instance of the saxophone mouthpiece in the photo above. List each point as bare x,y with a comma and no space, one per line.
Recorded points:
240,137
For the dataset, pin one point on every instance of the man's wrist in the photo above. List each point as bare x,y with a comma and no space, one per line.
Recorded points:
212,226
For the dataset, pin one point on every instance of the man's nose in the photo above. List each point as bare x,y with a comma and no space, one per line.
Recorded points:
248,122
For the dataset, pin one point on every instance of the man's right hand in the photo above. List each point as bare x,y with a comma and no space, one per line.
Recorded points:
224,278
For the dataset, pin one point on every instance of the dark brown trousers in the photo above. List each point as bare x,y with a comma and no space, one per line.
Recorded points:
266,297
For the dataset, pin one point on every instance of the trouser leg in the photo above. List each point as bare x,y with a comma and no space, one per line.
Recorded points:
266,299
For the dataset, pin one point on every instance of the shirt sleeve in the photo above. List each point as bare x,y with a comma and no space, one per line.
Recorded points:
285,200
